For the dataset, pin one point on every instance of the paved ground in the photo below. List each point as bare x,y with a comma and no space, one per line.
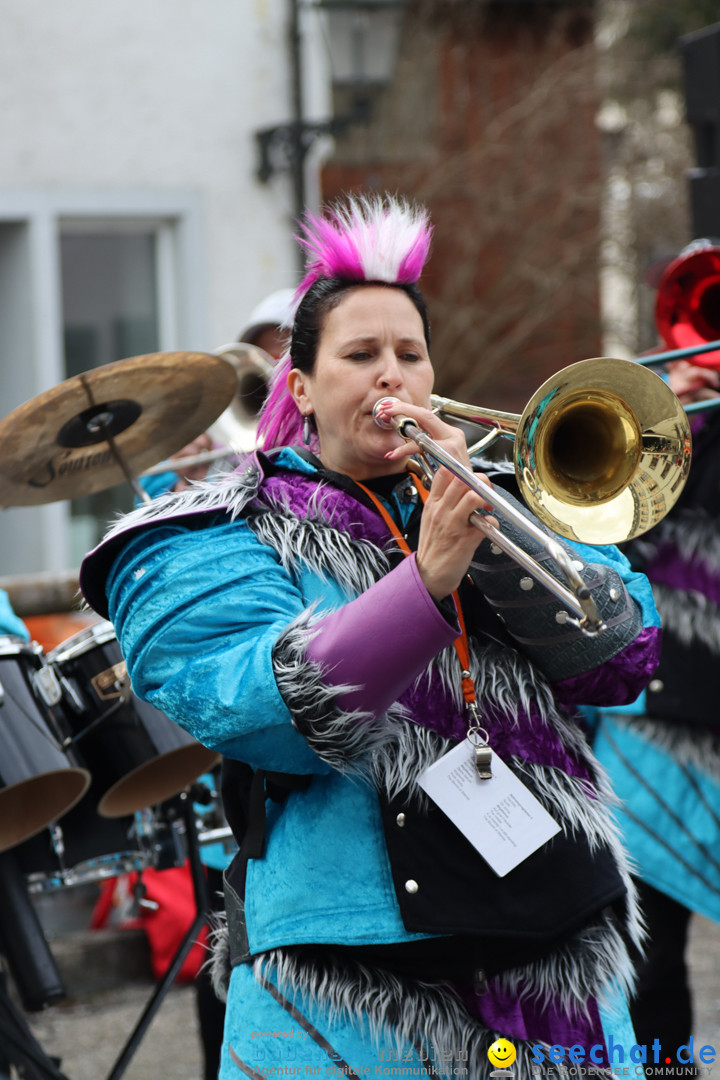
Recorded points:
90,1029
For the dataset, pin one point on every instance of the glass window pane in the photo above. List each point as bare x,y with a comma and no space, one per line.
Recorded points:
110,311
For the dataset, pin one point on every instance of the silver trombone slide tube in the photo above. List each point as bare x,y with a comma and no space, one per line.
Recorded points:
577,597
653,359
177,464
677,354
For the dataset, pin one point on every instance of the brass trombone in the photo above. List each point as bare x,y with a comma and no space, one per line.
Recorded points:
601,454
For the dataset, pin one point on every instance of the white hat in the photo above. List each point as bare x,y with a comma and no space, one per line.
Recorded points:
275,310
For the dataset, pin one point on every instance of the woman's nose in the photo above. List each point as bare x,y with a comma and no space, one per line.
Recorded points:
390,372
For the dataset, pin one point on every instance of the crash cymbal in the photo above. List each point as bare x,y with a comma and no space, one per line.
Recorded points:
59,445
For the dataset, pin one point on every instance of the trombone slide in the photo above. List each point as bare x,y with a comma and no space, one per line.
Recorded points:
577,598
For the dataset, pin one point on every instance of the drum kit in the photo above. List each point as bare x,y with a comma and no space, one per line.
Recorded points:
86,767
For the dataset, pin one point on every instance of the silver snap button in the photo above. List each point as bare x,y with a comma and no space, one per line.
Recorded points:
655,686
411,886
561,617
400,819
526,584
614,594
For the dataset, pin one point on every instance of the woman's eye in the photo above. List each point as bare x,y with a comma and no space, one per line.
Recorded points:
360,354
411,357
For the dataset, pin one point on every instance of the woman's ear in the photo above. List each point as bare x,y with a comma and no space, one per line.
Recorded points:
298,388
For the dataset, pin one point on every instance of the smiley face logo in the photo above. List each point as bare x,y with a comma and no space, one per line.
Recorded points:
502,1053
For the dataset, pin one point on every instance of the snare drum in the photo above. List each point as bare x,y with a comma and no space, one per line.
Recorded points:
137,756
84,849
39,780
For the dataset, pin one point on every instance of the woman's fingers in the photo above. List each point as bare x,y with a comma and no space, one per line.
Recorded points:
448,536
449,437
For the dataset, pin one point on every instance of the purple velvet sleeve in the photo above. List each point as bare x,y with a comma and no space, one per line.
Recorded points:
380,642
619,680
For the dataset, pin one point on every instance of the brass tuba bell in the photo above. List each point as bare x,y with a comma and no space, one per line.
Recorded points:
236,428
687,306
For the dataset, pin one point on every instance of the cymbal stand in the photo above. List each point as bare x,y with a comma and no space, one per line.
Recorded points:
184,803
19,1047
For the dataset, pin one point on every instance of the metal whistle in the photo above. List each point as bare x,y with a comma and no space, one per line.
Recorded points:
483,762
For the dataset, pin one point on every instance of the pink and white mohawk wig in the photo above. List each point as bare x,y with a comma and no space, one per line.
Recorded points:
369,238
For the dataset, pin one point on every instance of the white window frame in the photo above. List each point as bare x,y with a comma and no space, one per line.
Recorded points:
42,534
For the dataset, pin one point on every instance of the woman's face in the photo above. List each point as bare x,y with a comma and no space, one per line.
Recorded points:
372,345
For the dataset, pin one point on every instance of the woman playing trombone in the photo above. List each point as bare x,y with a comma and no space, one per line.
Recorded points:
322,619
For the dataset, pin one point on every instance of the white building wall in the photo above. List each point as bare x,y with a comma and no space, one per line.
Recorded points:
144,107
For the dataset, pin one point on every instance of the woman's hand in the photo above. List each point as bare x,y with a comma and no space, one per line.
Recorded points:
195,472
447,536
450,438
692,383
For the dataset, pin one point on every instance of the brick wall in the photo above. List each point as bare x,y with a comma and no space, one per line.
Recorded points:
490,122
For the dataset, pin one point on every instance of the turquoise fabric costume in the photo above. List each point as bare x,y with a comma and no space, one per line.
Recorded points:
670,805
214,606
9,622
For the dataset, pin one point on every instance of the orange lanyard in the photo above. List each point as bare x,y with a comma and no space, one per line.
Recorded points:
477,735
461,643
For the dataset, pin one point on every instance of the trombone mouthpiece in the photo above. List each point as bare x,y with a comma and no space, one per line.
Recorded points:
386,425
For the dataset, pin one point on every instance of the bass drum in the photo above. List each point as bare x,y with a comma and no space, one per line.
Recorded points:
137,756
39,780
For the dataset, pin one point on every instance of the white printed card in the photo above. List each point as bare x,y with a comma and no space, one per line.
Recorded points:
500,817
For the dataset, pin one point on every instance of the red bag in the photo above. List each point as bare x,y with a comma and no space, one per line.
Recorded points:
166,925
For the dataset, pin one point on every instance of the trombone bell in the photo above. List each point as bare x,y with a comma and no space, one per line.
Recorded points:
602,452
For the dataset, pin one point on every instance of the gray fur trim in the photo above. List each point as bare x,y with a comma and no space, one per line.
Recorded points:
692,532
396,1011
330,553
583,967
230,492
690,745
689,616
219,963
346,739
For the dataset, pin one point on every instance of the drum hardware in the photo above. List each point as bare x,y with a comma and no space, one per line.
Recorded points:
106,425
47,685
19,1047
85,850
89,849
181,809
178,818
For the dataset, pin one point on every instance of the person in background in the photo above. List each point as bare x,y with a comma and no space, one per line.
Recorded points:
663,751
267,328
268,324
323,620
